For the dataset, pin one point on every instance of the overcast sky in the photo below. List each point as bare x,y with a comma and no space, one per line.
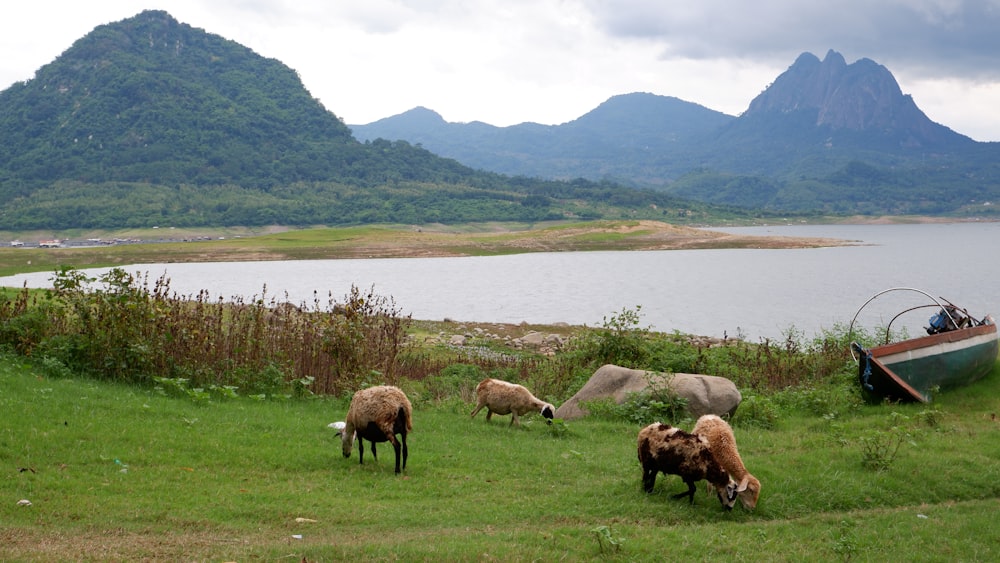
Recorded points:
550,61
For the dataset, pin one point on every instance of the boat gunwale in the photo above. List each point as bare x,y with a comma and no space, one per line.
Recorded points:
932,340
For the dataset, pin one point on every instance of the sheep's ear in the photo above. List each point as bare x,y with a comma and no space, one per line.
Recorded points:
743,484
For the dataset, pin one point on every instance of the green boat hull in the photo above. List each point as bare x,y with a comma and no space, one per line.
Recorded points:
913,370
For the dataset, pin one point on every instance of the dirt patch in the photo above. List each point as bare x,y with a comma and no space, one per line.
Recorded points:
405,242
632,235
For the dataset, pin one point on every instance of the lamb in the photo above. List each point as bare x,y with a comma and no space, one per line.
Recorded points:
663,448
501,397
377,414
722,442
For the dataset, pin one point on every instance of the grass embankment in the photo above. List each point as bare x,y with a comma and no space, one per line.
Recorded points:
116,472
384,242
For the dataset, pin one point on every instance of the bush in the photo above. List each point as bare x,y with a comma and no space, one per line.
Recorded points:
756,411
657,403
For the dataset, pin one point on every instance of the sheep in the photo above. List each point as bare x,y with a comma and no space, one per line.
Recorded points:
723,445
663,448
501,397
377,414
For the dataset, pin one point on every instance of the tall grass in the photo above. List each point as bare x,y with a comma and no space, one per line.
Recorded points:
128,329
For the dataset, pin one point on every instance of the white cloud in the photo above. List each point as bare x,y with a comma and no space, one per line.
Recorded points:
550,61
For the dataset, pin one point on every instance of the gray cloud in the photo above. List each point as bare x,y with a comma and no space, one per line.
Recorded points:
925,38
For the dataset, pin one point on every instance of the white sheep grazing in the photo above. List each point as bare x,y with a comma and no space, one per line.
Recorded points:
377,414
501,397
673,451
723,445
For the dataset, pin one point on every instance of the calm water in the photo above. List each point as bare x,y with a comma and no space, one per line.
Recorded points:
753,293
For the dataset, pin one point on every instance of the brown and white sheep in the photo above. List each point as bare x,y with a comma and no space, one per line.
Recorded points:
502,397
663,448
722,442
377,414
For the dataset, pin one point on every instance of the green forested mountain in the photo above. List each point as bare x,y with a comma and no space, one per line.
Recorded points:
149,121
152,100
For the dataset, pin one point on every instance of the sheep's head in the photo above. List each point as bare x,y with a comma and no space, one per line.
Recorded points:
548,411
347,440
748,491
727,495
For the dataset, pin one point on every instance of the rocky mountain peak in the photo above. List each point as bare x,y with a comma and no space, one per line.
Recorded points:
862,96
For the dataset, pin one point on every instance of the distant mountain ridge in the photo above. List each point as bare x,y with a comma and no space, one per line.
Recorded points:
624,129
824,135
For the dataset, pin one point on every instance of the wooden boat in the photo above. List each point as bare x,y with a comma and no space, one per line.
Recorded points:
957,351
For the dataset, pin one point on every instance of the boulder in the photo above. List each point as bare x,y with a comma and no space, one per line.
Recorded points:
705,394
533,339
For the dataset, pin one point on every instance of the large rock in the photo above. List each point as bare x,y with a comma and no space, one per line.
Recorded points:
705,394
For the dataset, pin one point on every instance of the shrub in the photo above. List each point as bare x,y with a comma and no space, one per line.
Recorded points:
655,404
879,447
620,341
756,411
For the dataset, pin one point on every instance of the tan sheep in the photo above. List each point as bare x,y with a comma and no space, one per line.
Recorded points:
377,414
501,397
663,448
723,444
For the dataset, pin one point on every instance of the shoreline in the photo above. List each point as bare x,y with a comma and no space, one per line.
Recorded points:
405,241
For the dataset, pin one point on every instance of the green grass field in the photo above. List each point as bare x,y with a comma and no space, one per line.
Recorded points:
123,473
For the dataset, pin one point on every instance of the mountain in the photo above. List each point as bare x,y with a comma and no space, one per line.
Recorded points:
151,98
835,111
825,135
149,121
862,97
843,138
637,138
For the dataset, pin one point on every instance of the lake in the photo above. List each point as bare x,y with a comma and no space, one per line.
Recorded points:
746,292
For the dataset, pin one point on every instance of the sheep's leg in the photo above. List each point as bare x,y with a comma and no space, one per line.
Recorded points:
477,409
648,479
374,453
361,450
489,414
513,419
689,493
395,446
405,452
